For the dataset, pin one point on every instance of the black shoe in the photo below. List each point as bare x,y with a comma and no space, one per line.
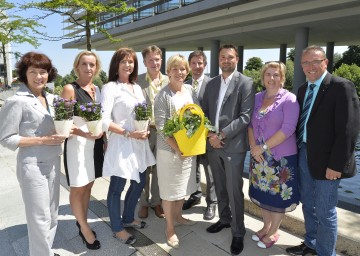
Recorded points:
94,246
237,245
217,227
209,213
301,249
55,254
190,203
78,225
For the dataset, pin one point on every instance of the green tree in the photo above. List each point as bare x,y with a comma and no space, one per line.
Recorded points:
350,72
69,78
103,76
81,13
58,80
291,54
15,29
254,63
337,57
289,75
351,56
256,76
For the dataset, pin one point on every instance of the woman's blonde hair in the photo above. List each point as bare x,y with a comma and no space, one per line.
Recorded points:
87,53
177,60
274,64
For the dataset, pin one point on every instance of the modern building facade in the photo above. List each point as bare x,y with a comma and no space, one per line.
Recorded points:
186,25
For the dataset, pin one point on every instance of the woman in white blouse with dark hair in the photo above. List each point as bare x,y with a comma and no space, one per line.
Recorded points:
128,153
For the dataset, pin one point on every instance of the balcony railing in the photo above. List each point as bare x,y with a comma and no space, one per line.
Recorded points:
145,9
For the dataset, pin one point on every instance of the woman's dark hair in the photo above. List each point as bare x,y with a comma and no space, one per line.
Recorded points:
36,60
118,56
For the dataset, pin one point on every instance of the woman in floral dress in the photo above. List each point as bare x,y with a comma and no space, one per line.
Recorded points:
272,139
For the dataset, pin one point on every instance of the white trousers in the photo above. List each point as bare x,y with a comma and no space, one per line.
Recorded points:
40,186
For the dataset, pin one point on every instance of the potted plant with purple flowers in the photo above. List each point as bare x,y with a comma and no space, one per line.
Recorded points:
91,113
142,116
64,112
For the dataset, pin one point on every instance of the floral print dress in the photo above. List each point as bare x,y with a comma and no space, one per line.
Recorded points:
274,182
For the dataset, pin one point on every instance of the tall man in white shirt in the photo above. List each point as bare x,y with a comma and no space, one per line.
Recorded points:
228,103
151,83
198,61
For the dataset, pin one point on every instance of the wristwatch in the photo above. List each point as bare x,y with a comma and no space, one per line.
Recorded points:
265,147
126,134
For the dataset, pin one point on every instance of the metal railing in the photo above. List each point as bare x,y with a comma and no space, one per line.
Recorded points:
144,9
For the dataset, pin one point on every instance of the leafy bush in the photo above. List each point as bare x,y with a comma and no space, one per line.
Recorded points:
255,75
350,72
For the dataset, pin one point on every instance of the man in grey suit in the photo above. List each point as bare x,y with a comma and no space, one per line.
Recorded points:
197,61
228,103
151,83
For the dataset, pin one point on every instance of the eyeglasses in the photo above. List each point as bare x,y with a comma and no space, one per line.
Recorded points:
312,63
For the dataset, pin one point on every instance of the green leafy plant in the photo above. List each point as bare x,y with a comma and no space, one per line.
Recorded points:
90,111
142,111
64,109
190,121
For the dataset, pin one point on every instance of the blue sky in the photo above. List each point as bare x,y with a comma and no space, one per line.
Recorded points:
63,58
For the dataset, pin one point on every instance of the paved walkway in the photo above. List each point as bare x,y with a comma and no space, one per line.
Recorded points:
194,240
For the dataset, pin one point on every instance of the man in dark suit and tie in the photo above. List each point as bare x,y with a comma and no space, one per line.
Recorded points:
198,61
228,103
328,129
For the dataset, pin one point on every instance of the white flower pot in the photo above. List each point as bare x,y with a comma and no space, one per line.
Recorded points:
141,125
95,127
63,127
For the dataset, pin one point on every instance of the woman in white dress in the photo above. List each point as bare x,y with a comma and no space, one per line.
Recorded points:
128,153
83,152
176,174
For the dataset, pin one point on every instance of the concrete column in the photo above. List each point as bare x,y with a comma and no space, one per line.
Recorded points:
240,65
163,65
301,42
214,58
330,55
282,56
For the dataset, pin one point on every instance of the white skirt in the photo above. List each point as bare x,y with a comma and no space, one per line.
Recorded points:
80,157
176,178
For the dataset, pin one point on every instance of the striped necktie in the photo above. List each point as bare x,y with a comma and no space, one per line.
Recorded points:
195,85
304,114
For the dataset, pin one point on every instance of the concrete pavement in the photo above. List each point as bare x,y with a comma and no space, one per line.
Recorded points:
194,240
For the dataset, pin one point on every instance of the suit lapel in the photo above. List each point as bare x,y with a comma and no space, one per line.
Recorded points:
202,87
231,87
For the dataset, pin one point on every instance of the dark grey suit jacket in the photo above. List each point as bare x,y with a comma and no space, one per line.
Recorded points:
235,113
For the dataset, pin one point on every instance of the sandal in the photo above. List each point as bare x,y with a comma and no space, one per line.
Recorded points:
130,240
140,225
